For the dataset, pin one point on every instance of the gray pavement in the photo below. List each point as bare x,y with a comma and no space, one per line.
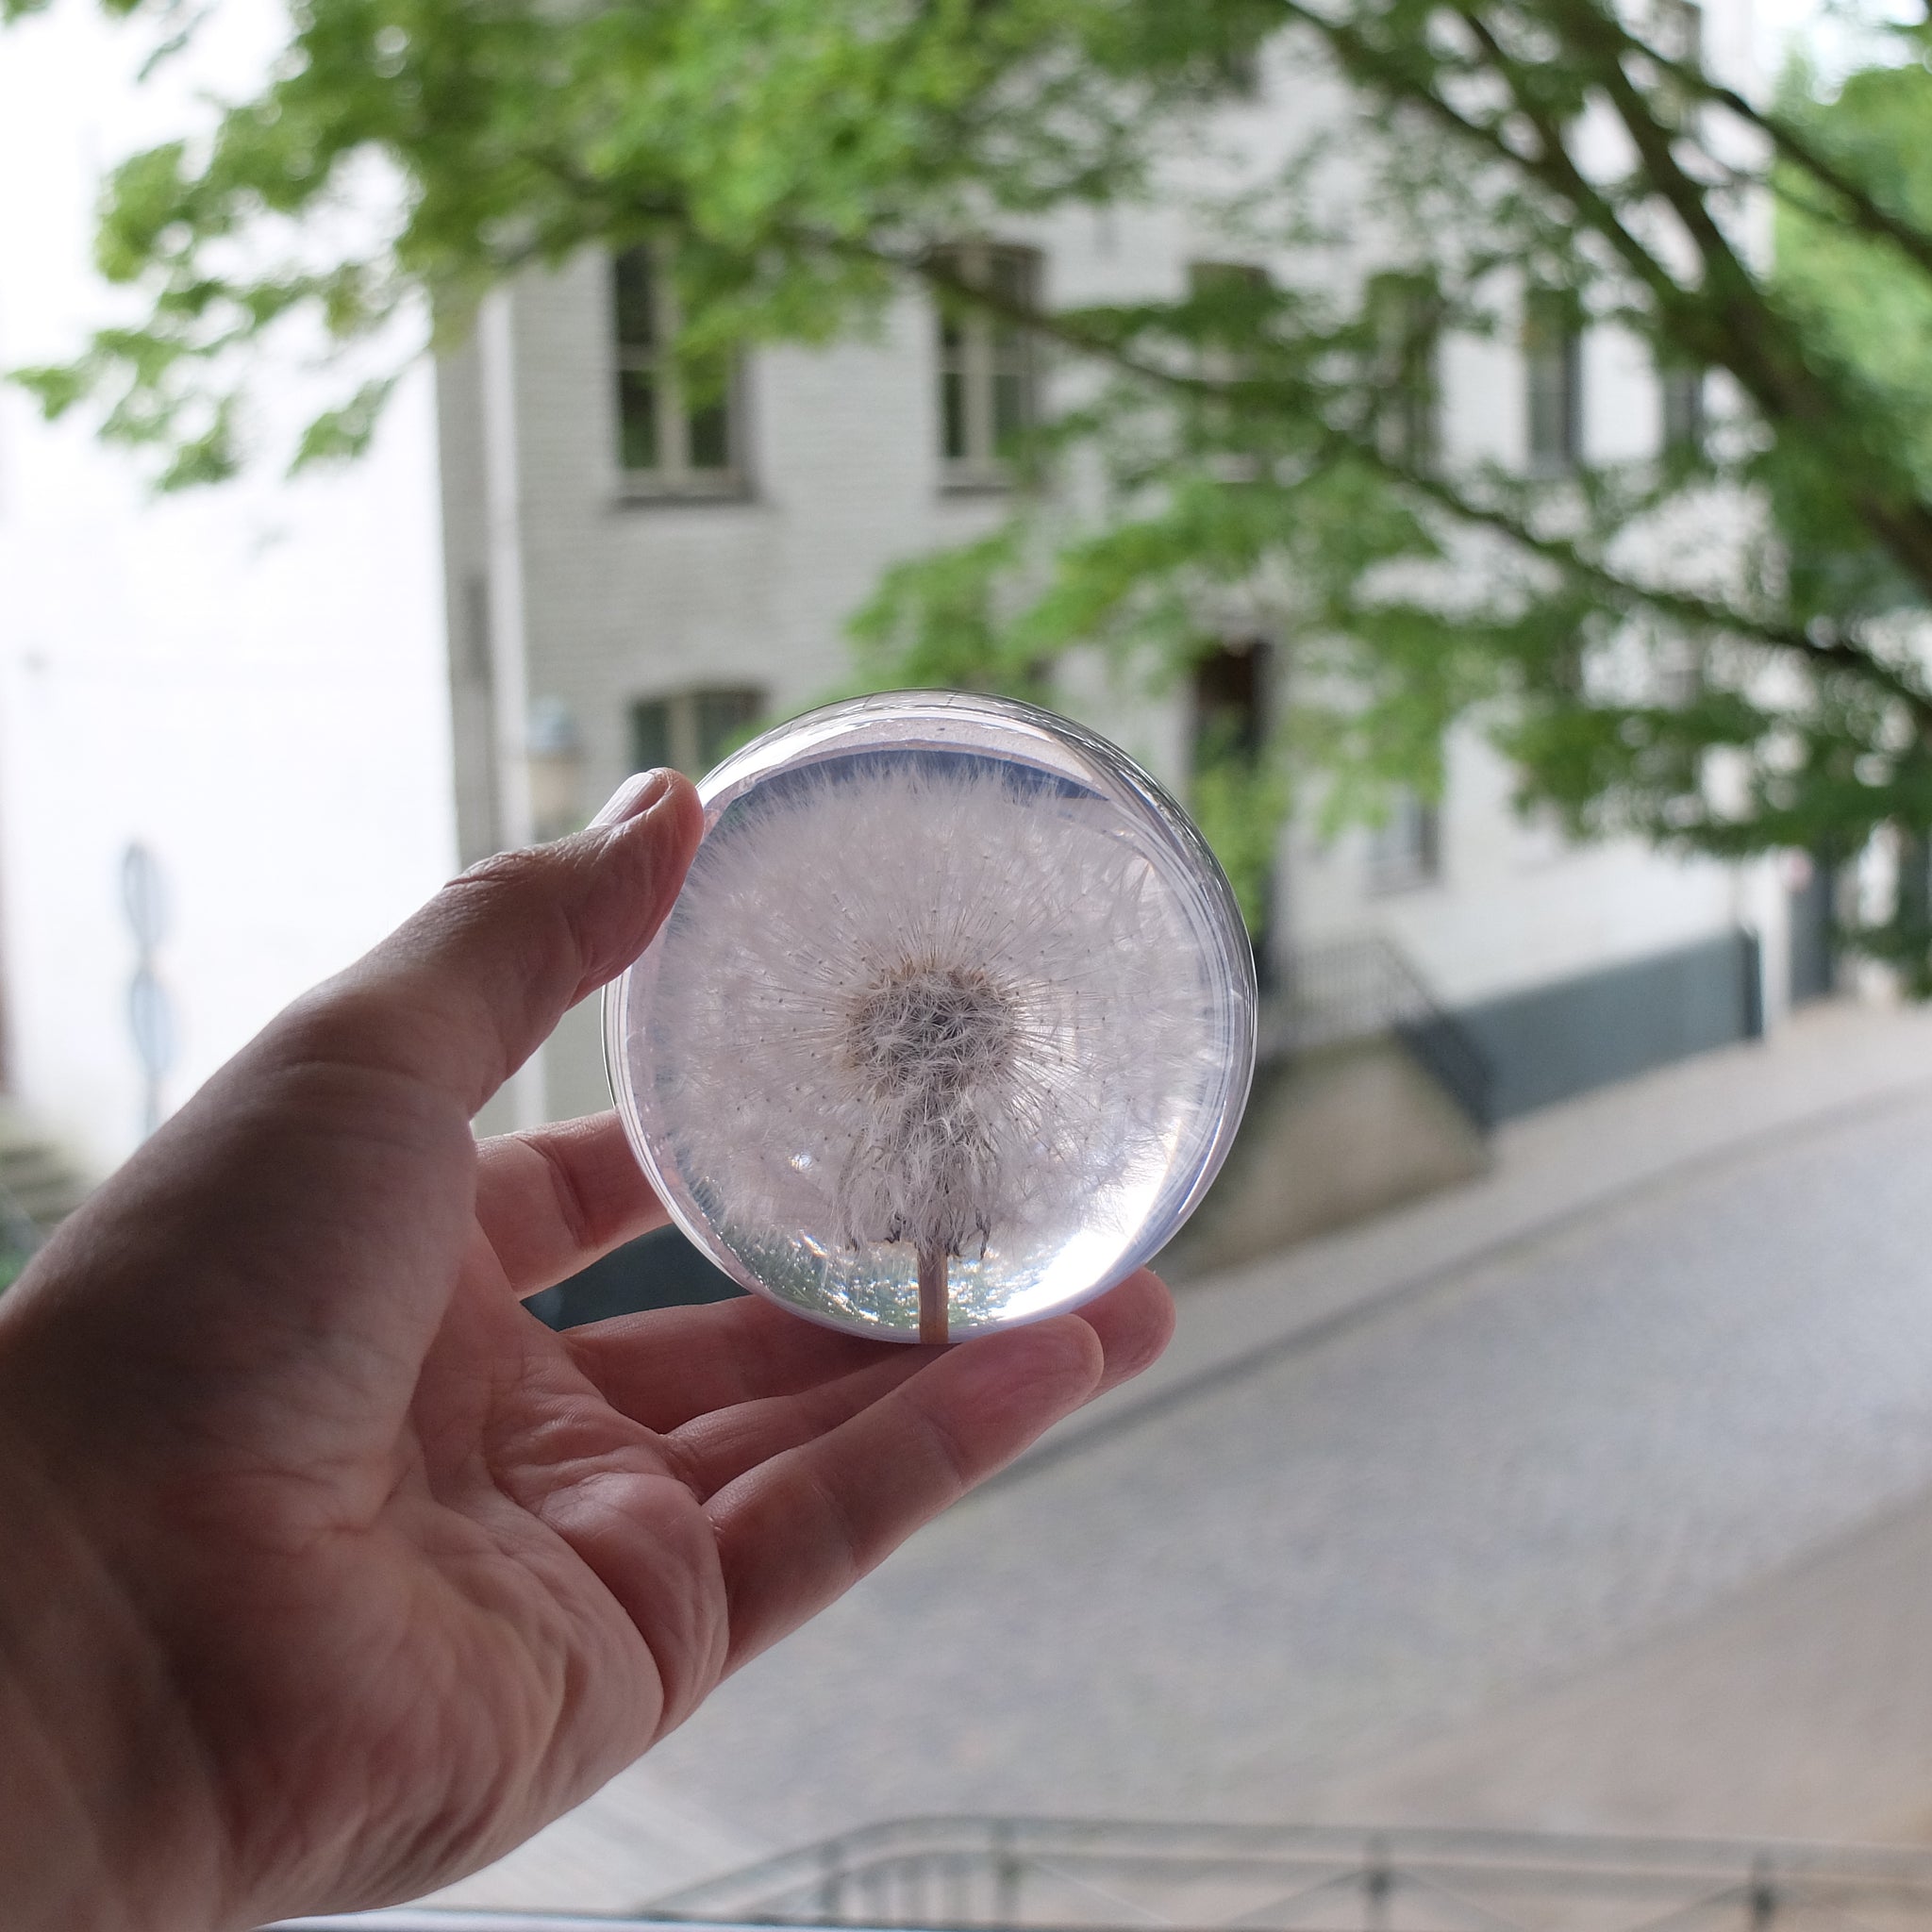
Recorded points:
1799,1707
1389,1490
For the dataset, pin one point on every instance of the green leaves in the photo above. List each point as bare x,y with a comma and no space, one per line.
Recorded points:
1701,644
338,435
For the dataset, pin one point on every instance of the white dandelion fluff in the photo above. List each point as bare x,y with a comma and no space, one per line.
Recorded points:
956,1004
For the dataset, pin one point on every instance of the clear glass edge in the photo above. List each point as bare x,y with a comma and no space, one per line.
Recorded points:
749,762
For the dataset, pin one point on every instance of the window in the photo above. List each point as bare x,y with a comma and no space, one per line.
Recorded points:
1682,387
1230,785
1553,369
1406,849
1676,29
1235,303
676,432
1238,73
1234,296
691,730
1403,317
1678,672
988,365
1231,704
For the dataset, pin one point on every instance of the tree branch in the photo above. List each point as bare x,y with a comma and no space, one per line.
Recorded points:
1765,357
1839,654
1856,200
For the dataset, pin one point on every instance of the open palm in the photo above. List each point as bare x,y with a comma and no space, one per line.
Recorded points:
333,1573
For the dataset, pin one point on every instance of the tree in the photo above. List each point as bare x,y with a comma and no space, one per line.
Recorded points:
1633,632
1870,316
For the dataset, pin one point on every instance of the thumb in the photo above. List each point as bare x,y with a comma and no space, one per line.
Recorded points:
463,992
271,1222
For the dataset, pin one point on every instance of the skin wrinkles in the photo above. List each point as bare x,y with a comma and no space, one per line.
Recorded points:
332,1574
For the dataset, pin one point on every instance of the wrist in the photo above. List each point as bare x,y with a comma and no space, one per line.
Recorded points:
105,1809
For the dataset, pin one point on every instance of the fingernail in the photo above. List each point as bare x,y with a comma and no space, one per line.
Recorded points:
638,793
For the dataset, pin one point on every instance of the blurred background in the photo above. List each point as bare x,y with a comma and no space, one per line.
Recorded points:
1479,454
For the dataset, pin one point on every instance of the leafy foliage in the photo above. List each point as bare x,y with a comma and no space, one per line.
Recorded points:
1716,642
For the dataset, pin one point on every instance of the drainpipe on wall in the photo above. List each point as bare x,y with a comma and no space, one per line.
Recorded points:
509,651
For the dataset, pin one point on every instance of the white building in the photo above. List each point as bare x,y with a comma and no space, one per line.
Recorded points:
249,683
308,702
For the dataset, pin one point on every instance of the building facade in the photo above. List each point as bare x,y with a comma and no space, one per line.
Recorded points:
644,571
567,557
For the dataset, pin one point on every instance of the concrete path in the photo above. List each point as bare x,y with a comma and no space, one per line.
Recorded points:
1801,1708
1392,1492
1550,1167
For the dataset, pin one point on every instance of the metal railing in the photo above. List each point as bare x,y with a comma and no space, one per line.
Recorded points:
942,1874
1035,1873
443,1919
1356,989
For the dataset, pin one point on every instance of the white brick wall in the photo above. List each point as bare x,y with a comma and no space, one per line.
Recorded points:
629,598
256,683
248,680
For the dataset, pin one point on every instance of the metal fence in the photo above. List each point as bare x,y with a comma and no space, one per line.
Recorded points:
1354,988
441,1918
940,1874
1037,1874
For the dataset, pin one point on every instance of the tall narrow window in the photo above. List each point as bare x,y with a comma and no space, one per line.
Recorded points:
1679,671
1232,297
1229,778
691,730
1682,388
1403,317
1553,371
988,365
1676,29
1234,300
1231,704
1237,71
676,435
1406,849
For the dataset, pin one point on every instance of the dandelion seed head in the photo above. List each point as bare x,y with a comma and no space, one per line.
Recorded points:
933,1000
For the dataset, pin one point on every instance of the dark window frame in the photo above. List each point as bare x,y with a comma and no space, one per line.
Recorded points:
1681,403
1553,381
1403,313
695,448
1405,851
691,729
1676,29
1224,363
990,371
1233,700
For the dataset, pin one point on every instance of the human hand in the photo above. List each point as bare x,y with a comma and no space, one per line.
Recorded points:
329,1573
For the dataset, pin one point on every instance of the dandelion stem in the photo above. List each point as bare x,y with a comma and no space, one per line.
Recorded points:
933,1295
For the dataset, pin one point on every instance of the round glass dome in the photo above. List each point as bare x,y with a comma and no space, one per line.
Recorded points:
952,1023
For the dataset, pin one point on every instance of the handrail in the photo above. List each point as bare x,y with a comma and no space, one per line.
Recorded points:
1355,988
945,1873
447,1919
941,1873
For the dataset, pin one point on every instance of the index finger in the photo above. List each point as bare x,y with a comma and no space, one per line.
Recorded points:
799,1530
664,1367
551,1200
668,1366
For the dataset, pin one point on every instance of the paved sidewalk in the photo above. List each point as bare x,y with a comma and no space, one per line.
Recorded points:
1803,1709
802,1747
1550,1167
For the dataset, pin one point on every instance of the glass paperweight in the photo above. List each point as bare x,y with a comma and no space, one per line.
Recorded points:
952,1023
